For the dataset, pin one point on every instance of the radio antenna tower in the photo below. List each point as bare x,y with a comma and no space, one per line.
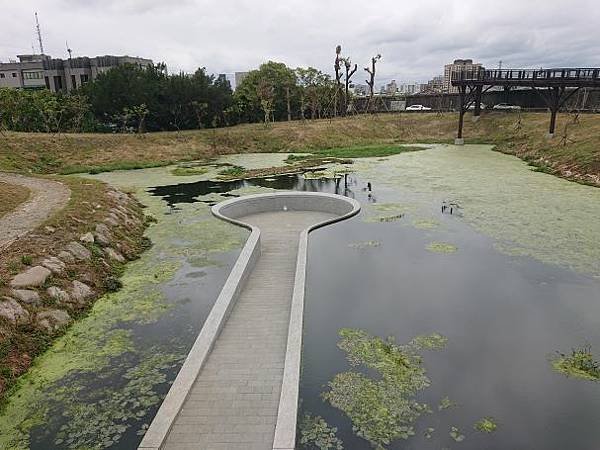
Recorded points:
39,33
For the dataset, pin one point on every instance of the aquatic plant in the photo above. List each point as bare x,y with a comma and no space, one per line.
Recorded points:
381,409
456,434
445,403
425,224
232,171
442,247
580,363
364,245
315,432
486,425
428,433
186,171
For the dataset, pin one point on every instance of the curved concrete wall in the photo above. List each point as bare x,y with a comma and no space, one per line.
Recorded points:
232,211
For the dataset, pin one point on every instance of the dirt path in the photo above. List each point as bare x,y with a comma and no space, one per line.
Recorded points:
46,197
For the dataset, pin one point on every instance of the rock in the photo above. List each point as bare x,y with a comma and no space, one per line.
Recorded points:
35,276
27,296
81,292
113,254
53,319
102,229
102,239
54,264
87,237
79,251
66,256
12,311
58,294
112,221
49,229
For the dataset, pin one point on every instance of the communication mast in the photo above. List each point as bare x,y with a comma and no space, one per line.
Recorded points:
39,33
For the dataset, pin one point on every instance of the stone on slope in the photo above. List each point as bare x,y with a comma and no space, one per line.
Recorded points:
81,292
58,294
87,237
79,251
12,311
53,319
34,276
27,296
54,264
113,254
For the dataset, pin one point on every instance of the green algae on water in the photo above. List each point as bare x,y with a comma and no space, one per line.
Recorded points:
580,363
486,425
456,434
316,433
442,247
364,245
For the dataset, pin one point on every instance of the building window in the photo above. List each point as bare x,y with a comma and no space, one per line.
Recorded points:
33,75
1,75
14,74
84,78
73,82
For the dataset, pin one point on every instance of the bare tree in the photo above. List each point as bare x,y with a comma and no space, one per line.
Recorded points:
371,80
338,77
349,72
266,95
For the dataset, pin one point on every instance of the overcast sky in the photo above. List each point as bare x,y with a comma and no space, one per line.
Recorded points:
415,38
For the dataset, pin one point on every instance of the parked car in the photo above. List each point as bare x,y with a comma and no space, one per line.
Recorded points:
506,107
418,108
481,105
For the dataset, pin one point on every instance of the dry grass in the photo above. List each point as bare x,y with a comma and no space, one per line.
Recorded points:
11,196
83,152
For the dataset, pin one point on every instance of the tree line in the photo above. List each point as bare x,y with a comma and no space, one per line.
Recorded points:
130,98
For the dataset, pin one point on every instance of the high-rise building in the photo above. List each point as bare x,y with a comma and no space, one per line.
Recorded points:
458,65
42,71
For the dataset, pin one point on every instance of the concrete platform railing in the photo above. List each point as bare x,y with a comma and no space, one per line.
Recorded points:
234,211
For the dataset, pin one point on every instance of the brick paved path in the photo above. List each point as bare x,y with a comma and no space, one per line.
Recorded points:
233,403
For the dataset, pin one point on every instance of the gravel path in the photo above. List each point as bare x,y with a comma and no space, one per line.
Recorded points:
46,197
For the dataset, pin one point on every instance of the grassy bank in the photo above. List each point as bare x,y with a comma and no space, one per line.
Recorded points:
91,203
580,157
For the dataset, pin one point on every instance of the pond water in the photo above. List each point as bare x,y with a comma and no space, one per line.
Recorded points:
509,278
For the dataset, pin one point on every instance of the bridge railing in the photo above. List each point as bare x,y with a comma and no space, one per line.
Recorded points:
499,75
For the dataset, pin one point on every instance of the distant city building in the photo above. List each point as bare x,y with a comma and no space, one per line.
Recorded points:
435,85
238,77
59,75
391,88
361,89
458,65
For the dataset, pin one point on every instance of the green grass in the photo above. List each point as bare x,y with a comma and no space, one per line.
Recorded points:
367,151
233,171
122,165
188,171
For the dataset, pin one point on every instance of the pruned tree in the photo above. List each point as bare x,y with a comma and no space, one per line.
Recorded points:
349,70
338,77
371,80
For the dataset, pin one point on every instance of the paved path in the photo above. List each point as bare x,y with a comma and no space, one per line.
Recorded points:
47,196
233,403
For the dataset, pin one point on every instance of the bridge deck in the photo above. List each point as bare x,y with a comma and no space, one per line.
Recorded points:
233,402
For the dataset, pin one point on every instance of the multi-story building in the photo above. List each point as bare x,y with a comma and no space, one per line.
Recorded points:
458,65
42,71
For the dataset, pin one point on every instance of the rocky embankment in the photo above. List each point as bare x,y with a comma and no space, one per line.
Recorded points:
57,285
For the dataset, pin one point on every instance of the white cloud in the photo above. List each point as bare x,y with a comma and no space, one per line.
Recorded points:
415,38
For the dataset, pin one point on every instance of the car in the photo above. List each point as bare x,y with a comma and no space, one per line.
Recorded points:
418,108
506,107
481,106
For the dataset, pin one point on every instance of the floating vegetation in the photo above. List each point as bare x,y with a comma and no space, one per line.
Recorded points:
364,245
392,218
580,363
428,433
456,434
386,212
486,425
321,175
426,224
101,424
232,171
383,409
445,403
441,247
188,171
315,433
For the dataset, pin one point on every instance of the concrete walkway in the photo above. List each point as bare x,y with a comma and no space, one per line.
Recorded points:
233,402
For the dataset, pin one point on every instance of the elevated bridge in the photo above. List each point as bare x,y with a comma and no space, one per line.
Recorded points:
555,85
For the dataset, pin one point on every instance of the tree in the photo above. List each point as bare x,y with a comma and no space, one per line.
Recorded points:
316,88
349,72
371,80
264,92
280,78
337,66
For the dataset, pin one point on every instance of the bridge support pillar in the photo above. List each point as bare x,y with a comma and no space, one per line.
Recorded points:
477,110
462,90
